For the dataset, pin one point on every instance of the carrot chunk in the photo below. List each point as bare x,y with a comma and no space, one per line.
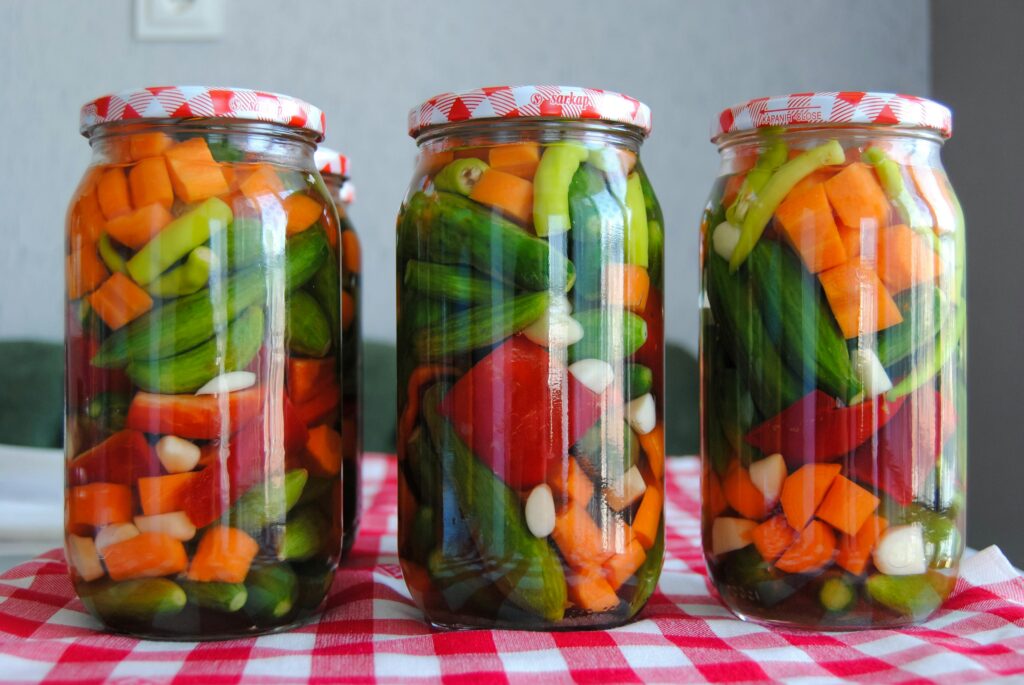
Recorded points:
933,187
305,376
163,494
324,446
653,446
579,539
855,550
119,301
137,228
150,182
856,196
648,517
619,568
85,271
112,193
905,258
713,497
814,548
590,591
859,299
628,286
507,193
804,489
348,310
145,145
195,175
262,181
742,495
846,506
97,504
224,555
518,159
773,537
147,555
806,219
321,406
302,212
571,484
86,221
351,254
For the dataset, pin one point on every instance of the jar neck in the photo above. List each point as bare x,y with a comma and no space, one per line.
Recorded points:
485,132
911,145
267,142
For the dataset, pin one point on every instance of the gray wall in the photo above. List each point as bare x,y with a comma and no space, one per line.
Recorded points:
977,58
367,62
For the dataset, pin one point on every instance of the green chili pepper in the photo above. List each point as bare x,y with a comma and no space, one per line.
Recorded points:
636,227
109,254
177,239
461,175
774,192
187,277
771,159
891,177
551,187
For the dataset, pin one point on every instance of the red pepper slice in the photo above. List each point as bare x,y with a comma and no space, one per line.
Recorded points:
902,457
199,417
652,353
519,409
815,428
122,458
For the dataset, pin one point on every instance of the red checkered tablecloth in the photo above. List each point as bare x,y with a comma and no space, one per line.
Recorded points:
371,632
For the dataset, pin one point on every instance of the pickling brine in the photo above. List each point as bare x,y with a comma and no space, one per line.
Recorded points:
530,362
203,440
833,359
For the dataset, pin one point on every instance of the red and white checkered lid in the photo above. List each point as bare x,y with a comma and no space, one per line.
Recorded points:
330,161
202,102
554,102
851,107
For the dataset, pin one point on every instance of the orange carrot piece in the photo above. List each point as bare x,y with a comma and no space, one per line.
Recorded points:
713,497
856,196
814,548
628,286
732,188
846,506
579,539
806,219
305,376
97,504
145,145
507,193
119,301
815,178
804,489
302,212
195,175
112,193
773,537
262,181
933,187
149,182
570,484
137,228
742,495
86,221
905,259
589,591
84,271
648,517
851,238
224,555
147,555
324,449
518,159
653,446
348,310
855,550
858,298
351,253
321,406
163,494
431,162
623,565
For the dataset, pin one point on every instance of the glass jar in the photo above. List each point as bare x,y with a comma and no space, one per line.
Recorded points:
833,362
530,434
334,168
203,425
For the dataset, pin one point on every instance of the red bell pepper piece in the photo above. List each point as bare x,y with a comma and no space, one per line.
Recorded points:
815,429
318,409
85,380
199,417
519,409
122,458
902,457
652,353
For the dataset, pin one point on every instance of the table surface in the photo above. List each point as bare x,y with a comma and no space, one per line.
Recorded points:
371,632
